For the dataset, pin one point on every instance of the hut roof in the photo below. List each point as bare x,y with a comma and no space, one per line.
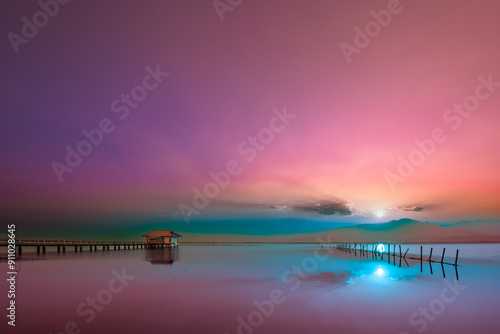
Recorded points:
161,233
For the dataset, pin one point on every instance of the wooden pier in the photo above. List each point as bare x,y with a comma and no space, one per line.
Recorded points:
80,245
367,250
372,249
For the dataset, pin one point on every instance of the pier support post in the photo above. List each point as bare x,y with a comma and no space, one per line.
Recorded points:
43,250
20,249
58,248
81,248
421,259
38,249
64,249
76,248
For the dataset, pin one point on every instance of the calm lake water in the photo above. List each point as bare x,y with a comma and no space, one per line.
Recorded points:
255,289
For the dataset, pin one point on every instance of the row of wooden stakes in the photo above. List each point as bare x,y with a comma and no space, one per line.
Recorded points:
376,250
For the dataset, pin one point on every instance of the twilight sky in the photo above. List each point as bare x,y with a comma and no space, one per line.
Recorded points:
305,116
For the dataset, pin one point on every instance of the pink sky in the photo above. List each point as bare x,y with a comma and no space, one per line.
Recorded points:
352,120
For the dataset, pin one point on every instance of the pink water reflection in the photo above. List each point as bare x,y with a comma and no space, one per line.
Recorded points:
216,289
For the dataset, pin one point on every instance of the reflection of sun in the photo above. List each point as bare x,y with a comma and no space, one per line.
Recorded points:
379,213
380,271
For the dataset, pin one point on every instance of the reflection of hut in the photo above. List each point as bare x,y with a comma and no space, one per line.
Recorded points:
162,237
162,255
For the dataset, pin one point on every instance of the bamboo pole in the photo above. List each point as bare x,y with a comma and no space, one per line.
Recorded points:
430,256
389,253
456,260
442,257
421,269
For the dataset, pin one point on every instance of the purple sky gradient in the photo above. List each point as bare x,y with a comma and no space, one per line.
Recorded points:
352,120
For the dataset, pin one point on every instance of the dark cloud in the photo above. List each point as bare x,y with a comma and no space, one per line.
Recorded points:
414,208
326,208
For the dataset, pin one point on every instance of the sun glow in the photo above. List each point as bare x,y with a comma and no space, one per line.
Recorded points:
379,213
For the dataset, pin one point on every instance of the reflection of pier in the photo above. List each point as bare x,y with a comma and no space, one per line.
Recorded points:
167,255
377,252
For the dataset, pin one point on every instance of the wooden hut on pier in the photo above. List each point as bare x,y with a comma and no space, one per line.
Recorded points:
162,237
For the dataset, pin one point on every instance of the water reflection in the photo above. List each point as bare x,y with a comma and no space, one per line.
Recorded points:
162,255
396,260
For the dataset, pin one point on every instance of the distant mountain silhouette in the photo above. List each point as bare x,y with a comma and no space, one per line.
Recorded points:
395,231
388,225
483,226
402,230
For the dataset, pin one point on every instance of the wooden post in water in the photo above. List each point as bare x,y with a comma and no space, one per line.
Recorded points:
406,252
442,257
430,256
456,260
38,249
421,259
400,253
